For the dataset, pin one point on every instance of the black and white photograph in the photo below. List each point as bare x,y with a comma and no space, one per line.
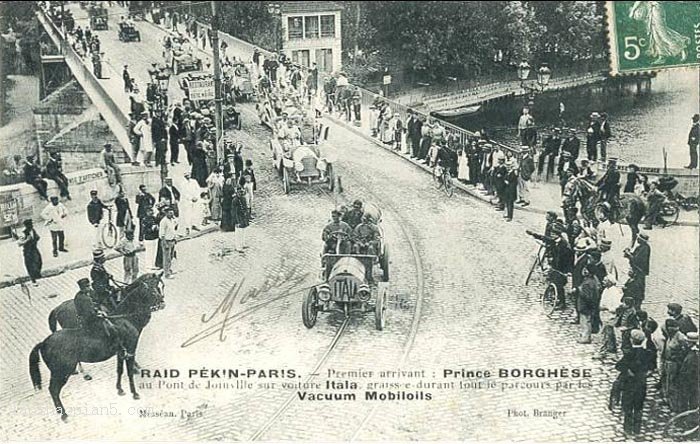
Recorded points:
335,221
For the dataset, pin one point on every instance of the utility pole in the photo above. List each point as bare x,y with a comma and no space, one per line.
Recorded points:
217,80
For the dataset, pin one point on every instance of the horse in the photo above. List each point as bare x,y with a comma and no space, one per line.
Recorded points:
64,349
594,210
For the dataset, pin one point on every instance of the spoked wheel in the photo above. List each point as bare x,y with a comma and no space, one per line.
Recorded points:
601,213
285,180
449,185
109,235
670,212
684,425
309,311
380,308
549,299
384,263
331,178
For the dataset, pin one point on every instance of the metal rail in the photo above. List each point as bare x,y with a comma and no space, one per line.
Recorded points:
117,119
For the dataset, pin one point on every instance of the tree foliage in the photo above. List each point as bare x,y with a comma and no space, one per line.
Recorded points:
444,38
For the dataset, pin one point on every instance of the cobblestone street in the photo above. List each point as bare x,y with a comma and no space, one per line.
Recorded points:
457,301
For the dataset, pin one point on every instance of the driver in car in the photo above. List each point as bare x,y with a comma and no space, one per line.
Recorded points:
330,235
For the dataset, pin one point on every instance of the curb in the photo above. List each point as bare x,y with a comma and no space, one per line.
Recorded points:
457,184
55,271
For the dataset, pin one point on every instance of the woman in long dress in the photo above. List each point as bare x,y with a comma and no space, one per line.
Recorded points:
199,165
662,41
227,193
215,183
463,166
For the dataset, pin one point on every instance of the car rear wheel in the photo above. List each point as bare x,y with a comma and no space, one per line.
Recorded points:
285,179
380,308
309,311
384,263
331,177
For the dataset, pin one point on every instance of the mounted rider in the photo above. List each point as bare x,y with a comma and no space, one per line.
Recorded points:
91,317
609,188
105,294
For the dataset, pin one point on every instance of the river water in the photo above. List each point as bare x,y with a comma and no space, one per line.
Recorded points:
642,125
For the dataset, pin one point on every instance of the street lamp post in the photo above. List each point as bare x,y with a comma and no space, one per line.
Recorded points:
544,74
275,10
219,124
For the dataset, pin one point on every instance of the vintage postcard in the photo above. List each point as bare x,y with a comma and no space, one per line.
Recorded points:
653,35
349,221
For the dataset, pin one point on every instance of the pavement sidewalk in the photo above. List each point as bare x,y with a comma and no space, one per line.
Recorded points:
78,241
544,196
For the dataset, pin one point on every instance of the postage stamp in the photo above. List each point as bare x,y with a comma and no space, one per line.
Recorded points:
653,35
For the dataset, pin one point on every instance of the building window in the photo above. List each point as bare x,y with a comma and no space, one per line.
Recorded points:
301,57
311,29
328,26
324,59
296,28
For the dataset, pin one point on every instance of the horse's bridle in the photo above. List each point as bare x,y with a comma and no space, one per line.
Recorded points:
160,287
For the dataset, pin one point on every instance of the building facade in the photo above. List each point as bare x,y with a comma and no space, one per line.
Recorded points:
311,33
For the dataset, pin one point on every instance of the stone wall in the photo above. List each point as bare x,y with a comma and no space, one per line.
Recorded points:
18,202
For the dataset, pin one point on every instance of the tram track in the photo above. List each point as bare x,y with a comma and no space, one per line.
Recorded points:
403,224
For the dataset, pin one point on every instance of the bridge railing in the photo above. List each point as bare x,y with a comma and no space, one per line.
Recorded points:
116,118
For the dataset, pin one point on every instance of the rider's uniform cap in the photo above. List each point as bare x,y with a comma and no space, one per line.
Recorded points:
643,236
675,307
93,192
83,281
98,254
335,213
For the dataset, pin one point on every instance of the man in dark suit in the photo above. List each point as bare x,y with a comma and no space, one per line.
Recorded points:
54,171
694,141
571,144
174,140
609,187
410,127
639,258
32,176
171,194
160,138
551,145
144,201
605,134
633,373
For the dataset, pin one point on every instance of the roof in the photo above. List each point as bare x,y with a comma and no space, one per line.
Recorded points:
302,7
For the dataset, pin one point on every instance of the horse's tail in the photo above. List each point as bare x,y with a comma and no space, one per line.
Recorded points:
34,366
52,321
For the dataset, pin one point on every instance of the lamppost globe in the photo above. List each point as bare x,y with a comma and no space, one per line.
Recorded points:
523,70
543,75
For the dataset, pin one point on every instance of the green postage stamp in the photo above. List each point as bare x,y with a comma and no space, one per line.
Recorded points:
653,35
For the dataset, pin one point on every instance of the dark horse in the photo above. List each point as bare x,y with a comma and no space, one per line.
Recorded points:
64,349
594,210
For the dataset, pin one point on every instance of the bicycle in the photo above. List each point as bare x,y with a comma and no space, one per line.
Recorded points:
540,263
443,179
683,425
550,297
109,232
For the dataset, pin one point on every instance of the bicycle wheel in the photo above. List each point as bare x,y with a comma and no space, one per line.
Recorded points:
549,299
683,425
449,186
109,235
532,269
670,211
